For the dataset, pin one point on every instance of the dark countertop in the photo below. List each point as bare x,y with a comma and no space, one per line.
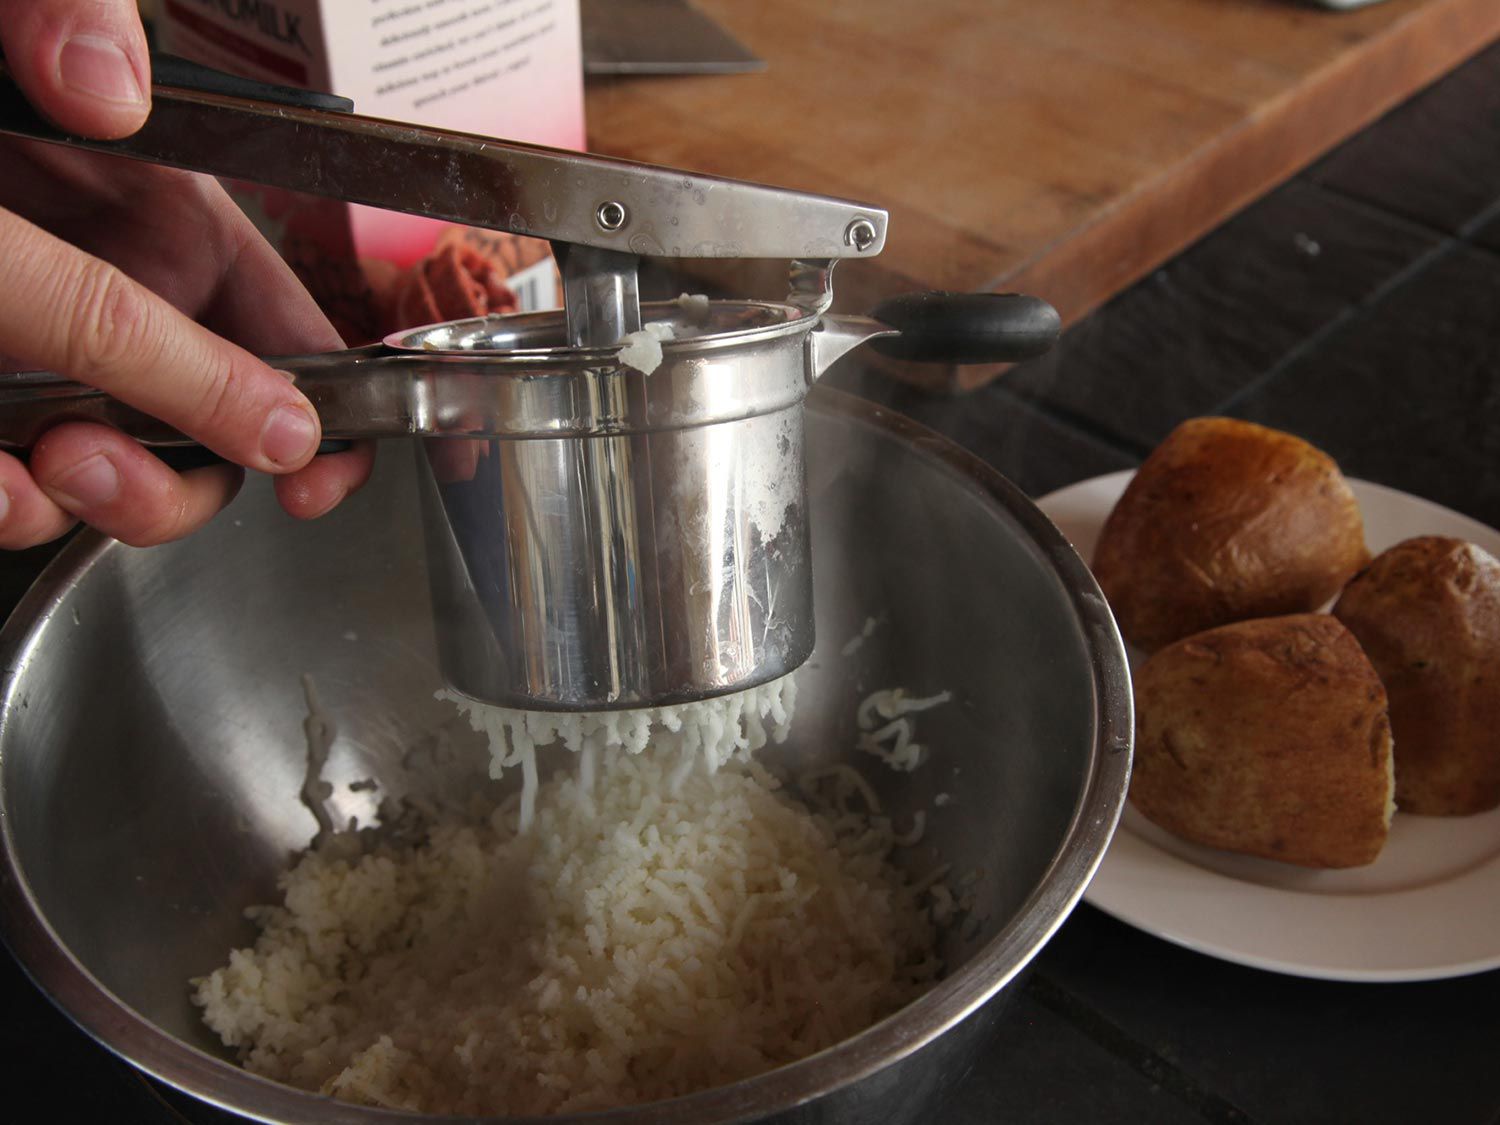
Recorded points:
1356,306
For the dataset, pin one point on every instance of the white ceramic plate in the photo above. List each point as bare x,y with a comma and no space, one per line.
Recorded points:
1428,908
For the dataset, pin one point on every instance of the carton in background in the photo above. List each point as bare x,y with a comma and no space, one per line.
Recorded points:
502,68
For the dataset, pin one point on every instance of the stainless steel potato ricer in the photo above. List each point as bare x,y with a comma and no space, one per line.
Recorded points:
605,528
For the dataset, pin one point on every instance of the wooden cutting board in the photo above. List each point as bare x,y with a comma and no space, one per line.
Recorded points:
1057,147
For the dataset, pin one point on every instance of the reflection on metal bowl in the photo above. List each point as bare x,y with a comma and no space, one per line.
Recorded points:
151,749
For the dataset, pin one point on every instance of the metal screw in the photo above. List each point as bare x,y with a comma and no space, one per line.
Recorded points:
611,215
860,234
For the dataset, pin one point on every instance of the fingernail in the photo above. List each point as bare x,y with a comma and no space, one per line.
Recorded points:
288,436
100,68
4,504
88,484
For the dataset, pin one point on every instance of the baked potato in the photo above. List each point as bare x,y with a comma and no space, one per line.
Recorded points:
1226,520
1427,612
1268,737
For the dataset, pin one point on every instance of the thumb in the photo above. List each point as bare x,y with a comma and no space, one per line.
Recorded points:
83,63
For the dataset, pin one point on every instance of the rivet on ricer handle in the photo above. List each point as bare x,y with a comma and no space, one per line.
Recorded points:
860,234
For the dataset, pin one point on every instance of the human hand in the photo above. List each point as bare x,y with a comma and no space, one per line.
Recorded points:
134,278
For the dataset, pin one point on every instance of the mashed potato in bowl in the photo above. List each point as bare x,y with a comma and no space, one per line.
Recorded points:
663,920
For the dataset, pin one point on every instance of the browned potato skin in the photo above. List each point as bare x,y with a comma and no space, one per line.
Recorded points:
1227,520
1268,737
1427,612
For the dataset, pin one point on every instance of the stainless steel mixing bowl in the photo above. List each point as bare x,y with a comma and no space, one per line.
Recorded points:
151,748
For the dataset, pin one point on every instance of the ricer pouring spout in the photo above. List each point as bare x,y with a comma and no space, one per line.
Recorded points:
614,497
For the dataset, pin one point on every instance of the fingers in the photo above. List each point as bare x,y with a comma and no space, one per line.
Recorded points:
81,471
71,313
317,489
455,460
83,63
104,478
291,322
27,515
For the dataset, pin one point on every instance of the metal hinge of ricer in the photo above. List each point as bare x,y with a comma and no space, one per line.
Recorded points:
601,214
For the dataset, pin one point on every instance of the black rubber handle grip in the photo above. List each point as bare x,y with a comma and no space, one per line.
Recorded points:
967,327
185,457
183,74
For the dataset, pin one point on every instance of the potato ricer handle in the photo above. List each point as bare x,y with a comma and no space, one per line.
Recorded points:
309,142
966,327
358,393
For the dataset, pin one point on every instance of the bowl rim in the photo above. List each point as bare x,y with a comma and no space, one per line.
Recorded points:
1096,813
